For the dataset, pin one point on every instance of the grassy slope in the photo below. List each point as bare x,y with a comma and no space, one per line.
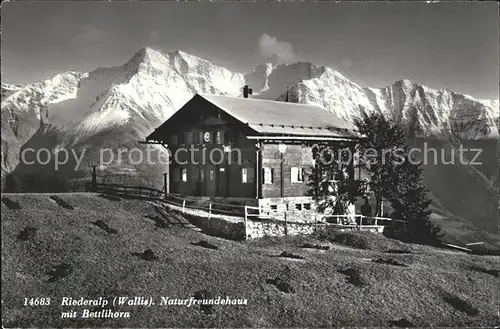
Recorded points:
104,266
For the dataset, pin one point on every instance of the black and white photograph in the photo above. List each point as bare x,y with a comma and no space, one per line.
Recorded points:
264,164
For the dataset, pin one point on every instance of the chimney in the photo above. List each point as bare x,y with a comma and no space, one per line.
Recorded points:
246,91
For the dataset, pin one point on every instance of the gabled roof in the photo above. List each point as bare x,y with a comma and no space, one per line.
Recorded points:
274,118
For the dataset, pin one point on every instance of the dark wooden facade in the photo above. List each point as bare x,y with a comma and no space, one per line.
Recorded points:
213,169
216,155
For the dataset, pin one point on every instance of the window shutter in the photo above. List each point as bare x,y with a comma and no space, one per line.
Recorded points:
176,174
244,175
294,174
251,175
173,140
194,175
268,175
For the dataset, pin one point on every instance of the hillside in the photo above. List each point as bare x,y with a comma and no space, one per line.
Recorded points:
342,286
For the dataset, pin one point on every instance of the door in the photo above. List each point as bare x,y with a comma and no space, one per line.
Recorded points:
200,184
222,182
210,178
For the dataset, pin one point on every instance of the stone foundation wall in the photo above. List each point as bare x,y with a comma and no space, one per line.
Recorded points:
235,230
259,229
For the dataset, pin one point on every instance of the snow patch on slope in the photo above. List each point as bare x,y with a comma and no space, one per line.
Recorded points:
8,89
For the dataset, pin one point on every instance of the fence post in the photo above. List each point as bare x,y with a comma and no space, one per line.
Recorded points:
361,222
246,219
376,221
315,223
209,213
183,206
286,226
165,182
94,179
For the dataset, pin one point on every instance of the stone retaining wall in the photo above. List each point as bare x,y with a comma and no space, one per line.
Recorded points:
219,227
235,229
259,229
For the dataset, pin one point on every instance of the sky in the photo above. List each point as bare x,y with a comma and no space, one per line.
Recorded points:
451,45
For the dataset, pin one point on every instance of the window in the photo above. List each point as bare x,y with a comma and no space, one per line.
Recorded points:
202,175
244,175
268,175
219,137
207,137
173,140
184,174
307,206
181,139
297,175
176,174
247,175
230,137
298,206
189,139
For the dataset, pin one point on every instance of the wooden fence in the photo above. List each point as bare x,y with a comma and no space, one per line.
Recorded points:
357,222
244,212
137,191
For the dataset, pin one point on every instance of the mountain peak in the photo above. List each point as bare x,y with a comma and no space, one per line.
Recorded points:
188,58
145,55
178,52
148,51
405,82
